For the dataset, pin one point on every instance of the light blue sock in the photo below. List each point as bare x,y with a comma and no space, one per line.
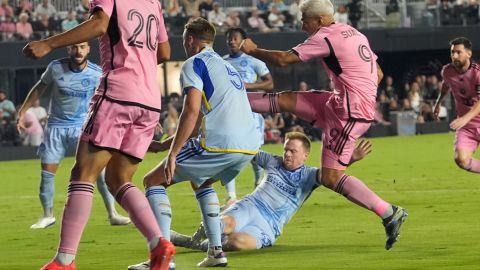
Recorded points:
210,207
257,172
160,204
107,197
231,190
47,190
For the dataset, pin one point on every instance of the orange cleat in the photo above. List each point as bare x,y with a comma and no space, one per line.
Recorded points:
54,265
161,255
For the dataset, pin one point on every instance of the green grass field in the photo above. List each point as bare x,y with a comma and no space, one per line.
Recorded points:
418,173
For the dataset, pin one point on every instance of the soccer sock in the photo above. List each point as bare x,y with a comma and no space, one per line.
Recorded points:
107,197
47,190
231,190
257,172
135,203
264,102
75,217
356,191
474,165
160,204
209,205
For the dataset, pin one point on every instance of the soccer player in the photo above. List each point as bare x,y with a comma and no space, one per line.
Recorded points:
121,120
224,145
71,82
257,220
344,114
462,78
255,76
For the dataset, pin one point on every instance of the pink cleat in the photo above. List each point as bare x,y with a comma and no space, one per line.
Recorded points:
161,255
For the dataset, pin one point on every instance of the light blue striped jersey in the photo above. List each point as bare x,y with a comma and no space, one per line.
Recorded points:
228,124
283,192
250,68
71,92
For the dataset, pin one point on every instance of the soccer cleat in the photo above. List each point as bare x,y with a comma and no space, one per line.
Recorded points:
214,261
43,223
146,265
392,225
200,234
54,265
161,255
140,266
180,240
119,220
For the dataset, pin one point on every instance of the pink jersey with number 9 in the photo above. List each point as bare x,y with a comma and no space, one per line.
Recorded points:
351,65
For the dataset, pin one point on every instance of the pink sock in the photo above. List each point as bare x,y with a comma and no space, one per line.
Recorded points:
357,192
75,215
134,201
474,165
264,103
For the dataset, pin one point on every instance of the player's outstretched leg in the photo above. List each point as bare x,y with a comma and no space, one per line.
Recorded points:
47,191
109,201
210,207
357,192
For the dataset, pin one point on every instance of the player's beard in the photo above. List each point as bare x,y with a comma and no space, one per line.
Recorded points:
74,60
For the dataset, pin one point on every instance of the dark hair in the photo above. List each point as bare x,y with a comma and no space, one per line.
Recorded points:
201,29
463,41
236,30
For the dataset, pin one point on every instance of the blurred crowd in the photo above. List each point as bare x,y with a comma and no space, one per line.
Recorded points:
21,20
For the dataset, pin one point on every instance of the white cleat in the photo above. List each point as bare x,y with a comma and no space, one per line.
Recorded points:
146,265
140,266
43,223
210,261
119,220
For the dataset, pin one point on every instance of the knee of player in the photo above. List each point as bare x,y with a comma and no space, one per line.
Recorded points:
462,162
287,101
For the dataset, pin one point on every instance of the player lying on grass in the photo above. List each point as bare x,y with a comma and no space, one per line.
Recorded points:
257,220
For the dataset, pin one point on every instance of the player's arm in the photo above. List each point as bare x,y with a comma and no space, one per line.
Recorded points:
362,150
186,124
464,119
35,93
278,58
92,28
443,94
379,73
163,52
266,83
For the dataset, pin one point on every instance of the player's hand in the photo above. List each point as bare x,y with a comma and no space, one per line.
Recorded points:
156,146
20,125
458,123
170,168
436,111
37,49
362,150
247,46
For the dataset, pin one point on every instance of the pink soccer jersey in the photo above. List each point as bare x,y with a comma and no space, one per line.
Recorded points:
129,50
465,88
351,66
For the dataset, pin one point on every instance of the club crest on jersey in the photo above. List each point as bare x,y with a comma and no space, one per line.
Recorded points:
85,82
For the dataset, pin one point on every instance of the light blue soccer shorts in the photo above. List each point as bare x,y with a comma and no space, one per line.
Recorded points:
56,142
197,165
249,220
